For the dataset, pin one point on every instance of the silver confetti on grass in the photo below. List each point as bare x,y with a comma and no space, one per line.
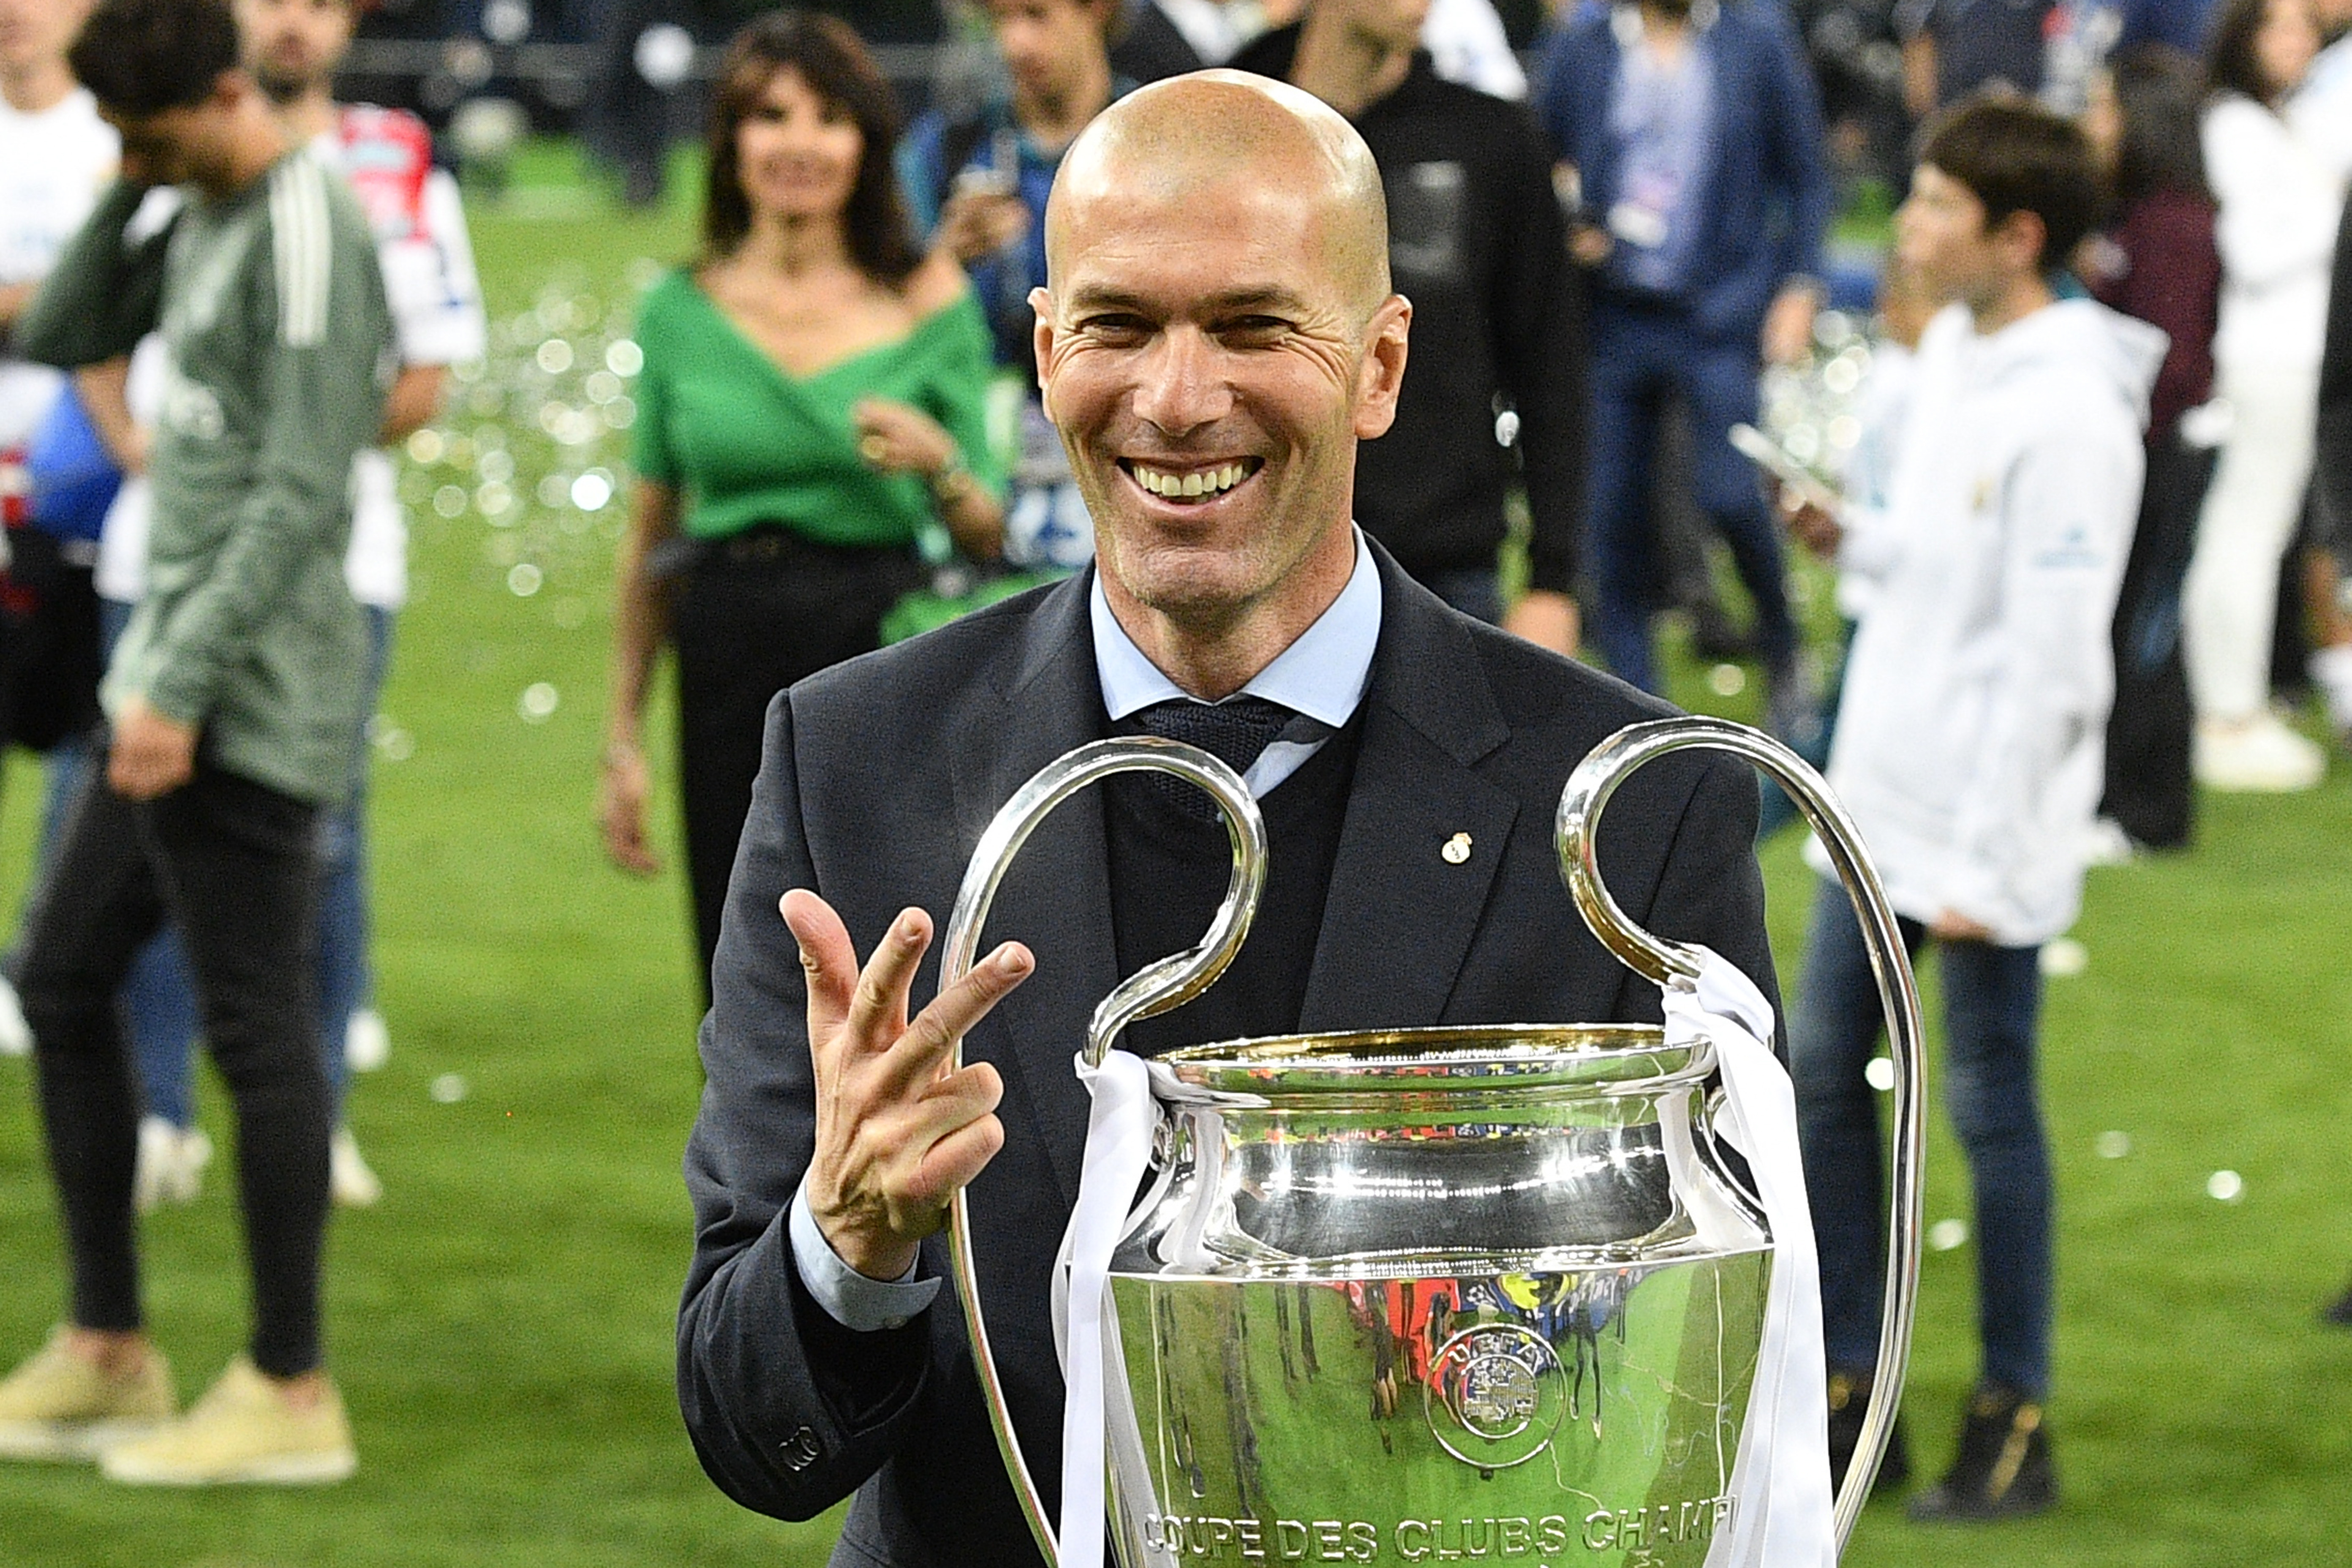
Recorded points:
534,449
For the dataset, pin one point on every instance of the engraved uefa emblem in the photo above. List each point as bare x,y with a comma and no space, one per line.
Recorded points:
1495,1395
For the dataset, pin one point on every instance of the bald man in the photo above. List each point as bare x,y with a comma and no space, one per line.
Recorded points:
1216,335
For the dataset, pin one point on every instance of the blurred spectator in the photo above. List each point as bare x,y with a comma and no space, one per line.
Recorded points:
1953,49
2333,470
1466,38
294,49
2321,112
977,184
1218,28
1145,46
2176,24
248,638
2320,109
811,415
1476,242
2157,261
1694,133
1858,61
2279,205
2076,41
1967,747
55,156
627,117
1466,43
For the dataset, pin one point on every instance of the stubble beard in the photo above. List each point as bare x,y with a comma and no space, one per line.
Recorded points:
281,87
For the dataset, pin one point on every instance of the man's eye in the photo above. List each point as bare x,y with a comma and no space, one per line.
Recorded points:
1122,329
1255,329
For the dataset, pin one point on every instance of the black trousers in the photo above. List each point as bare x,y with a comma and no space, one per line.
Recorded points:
233,863
2147,783
756,612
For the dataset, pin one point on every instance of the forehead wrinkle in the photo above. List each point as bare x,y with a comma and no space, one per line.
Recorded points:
1100,296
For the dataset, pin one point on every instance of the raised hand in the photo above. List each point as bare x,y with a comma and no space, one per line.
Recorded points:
898,1132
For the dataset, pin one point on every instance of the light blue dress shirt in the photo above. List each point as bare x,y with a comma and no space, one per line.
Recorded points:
1321,677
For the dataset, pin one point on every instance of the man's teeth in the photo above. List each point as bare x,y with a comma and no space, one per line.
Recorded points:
1214,482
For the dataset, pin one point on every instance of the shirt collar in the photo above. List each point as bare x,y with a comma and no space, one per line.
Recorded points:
1322,674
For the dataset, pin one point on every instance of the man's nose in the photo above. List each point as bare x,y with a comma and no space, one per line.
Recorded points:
1183,386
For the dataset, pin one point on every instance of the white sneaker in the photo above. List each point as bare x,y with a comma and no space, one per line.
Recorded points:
15,1035
172,1161
57,1406
367,1044
349,1180
243,1431
2257,754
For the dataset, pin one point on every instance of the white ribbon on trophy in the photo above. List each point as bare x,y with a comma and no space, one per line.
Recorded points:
1781,1475
1119,1147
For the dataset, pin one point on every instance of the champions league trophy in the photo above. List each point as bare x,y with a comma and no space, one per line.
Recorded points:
1538,1294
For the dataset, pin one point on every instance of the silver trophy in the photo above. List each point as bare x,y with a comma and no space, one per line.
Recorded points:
1440,1294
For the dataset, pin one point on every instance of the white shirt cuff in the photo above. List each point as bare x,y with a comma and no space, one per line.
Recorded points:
849,1298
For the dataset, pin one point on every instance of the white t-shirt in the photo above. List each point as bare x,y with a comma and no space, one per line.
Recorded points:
438,318
2279,200
54,165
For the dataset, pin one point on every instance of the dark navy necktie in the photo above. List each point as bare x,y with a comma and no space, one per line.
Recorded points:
1234,732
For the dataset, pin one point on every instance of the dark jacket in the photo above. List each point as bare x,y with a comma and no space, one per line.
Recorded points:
1478,243
1147,47
880,775
1766,201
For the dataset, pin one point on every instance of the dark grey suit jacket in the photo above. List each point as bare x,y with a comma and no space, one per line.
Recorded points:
879,776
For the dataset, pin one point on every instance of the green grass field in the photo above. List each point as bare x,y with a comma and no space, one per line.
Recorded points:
501,1325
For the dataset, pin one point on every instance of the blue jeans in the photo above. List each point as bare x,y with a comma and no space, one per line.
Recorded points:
160,996
1992,1003
1641,354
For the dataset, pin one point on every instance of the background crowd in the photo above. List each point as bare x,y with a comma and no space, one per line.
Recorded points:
1619,228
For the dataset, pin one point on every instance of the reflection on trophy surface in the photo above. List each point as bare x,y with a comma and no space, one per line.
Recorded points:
1493,1322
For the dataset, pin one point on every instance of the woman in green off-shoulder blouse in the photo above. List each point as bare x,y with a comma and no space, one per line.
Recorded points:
812,406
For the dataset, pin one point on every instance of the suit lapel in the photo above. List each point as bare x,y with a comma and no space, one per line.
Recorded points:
1057,897
1401,909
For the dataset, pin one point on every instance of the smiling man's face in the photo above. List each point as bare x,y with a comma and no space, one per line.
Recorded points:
1212,346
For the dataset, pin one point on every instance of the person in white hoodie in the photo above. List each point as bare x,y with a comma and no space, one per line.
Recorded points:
1969,745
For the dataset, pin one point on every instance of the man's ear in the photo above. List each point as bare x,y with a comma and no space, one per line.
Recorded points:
1041,343
1379,375
2022,239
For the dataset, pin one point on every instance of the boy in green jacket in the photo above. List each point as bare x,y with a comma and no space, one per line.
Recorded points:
231,699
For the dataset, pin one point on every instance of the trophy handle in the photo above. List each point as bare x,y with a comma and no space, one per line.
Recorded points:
1589,788
1154,989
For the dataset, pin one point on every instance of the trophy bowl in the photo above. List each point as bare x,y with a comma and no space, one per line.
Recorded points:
1433,1294
1447,1294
